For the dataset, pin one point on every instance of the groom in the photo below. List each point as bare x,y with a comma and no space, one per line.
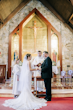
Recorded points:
46,74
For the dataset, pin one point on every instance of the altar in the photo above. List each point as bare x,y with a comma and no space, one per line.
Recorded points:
35,79
55,70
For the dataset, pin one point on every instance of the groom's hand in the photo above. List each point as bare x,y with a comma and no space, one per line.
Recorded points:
40,69
37,68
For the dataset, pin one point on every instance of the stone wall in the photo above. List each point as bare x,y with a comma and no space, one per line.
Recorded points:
66,34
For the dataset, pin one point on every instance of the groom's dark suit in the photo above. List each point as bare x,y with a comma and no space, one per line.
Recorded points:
46,74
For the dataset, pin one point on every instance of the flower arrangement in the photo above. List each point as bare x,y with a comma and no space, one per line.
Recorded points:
20,63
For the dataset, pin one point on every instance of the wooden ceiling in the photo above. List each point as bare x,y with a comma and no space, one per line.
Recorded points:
63,9
8,8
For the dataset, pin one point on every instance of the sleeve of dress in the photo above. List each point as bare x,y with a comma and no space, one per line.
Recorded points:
16,70
13,70
35,61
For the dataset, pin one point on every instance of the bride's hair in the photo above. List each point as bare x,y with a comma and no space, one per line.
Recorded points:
28,55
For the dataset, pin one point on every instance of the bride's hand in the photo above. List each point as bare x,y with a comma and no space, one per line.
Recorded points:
40,69
37,68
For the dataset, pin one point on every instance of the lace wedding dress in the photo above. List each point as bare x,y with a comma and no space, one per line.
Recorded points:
26,100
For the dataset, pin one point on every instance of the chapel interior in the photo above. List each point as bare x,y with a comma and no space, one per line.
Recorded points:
27,26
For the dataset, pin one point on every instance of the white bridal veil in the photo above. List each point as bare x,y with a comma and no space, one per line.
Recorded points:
24,70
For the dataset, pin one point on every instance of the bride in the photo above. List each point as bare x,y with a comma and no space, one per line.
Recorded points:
26,99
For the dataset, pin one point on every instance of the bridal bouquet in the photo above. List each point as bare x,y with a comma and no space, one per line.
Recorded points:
20,63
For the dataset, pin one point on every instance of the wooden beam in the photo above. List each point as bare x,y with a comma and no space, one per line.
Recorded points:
49,39
70,19
9,51
46,4
9,57
15,11
20,42
71,1
1,18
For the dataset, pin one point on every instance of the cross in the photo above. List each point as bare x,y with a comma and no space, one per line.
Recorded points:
35,32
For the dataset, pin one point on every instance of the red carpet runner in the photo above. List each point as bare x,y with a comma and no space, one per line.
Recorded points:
55,104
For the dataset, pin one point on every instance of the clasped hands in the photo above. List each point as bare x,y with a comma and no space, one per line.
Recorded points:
38,68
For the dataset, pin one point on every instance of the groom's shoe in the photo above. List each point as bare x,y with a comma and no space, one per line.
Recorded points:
45,98
48,99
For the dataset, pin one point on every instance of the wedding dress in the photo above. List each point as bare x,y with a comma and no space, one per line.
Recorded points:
26,100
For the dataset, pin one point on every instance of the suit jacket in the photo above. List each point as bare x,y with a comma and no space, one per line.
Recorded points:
46,68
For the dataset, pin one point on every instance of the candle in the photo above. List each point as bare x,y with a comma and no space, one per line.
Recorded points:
58,63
